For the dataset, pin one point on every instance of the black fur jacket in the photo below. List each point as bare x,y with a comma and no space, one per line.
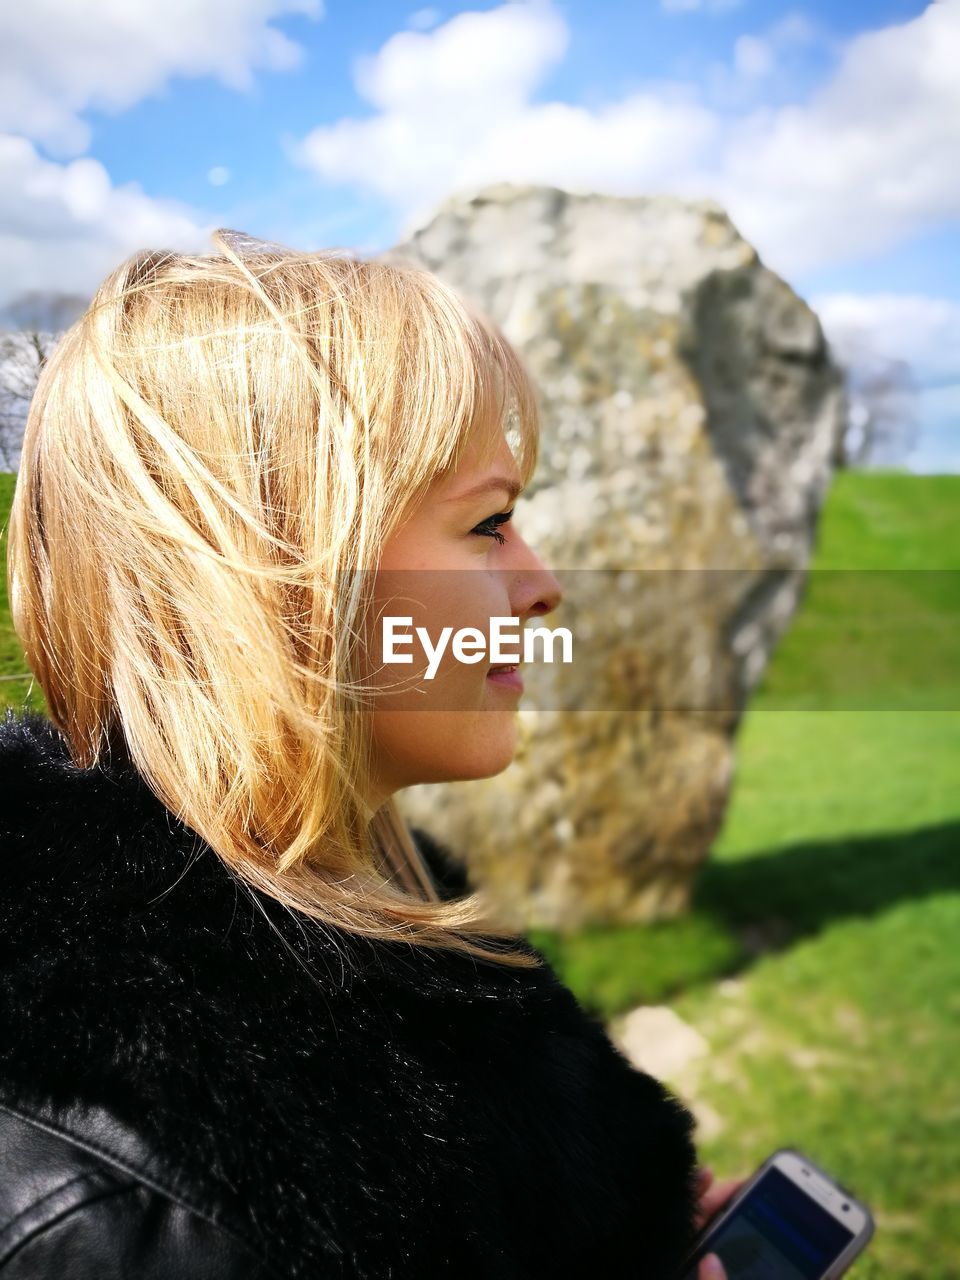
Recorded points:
179,1097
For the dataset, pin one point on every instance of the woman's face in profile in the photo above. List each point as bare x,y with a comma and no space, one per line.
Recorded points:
445,567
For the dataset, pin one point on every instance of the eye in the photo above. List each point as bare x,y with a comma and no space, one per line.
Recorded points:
489,528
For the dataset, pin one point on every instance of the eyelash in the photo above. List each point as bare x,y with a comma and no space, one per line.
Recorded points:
484,530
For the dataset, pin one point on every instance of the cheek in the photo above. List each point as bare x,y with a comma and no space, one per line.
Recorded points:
453,726
435,601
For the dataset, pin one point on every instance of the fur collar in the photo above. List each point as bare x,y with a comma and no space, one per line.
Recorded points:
381,1112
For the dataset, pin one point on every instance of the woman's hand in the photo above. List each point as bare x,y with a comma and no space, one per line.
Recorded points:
712,1198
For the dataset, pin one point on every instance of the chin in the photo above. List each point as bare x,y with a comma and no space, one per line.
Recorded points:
482,754
497,754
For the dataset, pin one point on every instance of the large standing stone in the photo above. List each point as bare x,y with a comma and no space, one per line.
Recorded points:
691,413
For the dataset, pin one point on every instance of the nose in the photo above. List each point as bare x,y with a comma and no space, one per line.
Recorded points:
537,591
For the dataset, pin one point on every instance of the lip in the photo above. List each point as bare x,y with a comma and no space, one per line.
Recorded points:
507,679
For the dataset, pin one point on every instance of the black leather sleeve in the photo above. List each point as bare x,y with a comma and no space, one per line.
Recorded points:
115,1233
65,1213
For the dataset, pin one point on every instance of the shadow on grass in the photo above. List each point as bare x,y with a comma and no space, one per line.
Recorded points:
743,909
772,899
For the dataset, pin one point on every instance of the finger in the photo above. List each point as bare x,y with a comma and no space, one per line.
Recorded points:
720,1192
715,1198
727,1187
711,1268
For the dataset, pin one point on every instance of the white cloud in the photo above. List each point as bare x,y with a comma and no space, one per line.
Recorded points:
869,160
454,111
753,57
503,53
218,176
62,57
764,65
64,226
756,57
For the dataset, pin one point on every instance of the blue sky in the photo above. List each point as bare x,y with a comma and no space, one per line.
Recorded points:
830,132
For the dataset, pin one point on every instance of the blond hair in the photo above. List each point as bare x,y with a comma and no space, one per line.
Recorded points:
215,454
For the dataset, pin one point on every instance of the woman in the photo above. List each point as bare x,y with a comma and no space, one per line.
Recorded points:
246,1034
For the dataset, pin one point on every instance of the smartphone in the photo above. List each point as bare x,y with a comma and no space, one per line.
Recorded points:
790,1221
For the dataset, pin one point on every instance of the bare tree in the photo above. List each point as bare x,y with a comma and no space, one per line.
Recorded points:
883,425
31,327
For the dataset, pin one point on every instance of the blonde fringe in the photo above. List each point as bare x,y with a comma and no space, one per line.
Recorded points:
215,454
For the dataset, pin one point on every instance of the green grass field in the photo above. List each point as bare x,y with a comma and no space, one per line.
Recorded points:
821,957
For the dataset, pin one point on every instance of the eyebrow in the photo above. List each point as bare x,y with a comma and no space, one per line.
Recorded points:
495,482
